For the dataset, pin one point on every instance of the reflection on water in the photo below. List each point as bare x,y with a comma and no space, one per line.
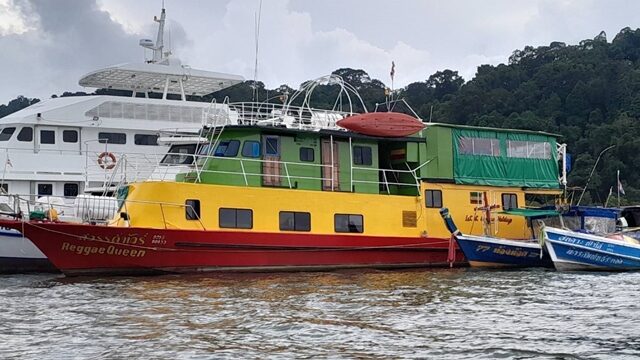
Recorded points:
444,314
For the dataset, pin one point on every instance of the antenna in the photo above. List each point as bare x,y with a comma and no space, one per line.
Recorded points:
258,15
158,55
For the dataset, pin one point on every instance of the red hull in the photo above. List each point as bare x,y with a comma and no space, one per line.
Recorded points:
384,124
88,249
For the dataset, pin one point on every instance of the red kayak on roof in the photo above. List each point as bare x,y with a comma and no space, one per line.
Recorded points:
384,124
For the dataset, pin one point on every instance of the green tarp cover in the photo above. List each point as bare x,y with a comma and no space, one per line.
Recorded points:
499,169
530,212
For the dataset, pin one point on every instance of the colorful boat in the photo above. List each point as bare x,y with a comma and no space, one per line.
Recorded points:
290,190
571,250
494,252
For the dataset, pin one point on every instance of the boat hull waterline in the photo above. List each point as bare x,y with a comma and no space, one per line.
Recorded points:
78,249
577,251
18,255
491,252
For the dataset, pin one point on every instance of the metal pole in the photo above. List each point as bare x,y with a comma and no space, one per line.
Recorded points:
592,171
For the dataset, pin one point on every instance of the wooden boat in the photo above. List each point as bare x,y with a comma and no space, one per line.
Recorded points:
571,250
384,124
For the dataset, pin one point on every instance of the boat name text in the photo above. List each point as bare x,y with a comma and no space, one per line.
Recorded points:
109,250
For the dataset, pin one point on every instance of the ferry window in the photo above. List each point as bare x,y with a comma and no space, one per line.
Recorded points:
528,149
251,149
180,154
509,201
4,187
143,139
45,189
479,146
112,138
26,134
70,136
433,198
47,137
227,148
475,197
295,221
6,133
348,223
70,189
362,155
306,154
192,209
235,218
271,146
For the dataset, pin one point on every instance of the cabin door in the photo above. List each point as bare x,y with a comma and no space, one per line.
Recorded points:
330,166
47,139
271,174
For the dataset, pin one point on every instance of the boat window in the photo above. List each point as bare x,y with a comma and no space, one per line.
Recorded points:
26,134
144,139
4,187
362,155
45,189
479,146
47,137
475,197
306,154
6,133
192,209
538,200
180,155
251,149
348,223
528,149
112,138
70,136
235,218
70,189
227,148
433,198
271,147
295,221
509,201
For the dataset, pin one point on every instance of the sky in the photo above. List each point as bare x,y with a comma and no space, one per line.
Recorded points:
46,46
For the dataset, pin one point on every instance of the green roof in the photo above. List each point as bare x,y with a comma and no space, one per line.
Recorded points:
531,213
493,129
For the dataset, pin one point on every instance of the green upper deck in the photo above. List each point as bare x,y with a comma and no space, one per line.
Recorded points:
333,160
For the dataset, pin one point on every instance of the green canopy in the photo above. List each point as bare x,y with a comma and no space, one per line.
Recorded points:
531,213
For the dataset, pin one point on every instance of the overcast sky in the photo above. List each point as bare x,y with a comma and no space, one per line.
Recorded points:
46,46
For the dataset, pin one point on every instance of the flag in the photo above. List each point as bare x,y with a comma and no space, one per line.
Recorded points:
393,70
620,189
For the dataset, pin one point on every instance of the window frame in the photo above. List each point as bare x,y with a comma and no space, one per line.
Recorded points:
429,195
44,184
306,151
235,212
478,200
192,209
30,134
137,137
52,132
226,152
513,198
7,137
64,138
297,219
109,137
69,194
359,157
349,230
250,154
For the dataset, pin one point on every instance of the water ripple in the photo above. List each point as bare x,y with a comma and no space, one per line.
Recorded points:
444,314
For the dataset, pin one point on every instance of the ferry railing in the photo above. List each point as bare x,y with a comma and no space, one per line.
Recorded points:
289,116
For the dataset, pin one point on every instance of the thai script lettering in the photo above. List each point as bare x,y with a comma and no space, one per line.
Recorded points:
594,257
128,239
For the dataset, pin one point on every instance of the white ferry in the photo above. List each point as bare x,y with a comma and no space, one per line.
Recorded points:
60,148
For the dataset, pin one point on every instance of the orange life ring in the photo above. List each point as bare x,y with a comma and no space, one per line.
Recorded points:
107,160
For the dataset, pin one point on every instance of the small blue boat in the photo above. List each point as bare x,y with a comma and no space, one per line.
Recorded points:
571,250
486,251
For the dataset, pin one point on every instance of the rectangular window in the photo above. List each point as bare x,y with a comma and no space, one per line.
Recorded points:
70,136
348,223
26,134
144,139
227,148
235,218
4,187
295,221
6,133
475,197
307,154
528,149
509,201
192,209
47,137
271,146
45,189
251,149
70,189
479,146
433,198
362,155
112,138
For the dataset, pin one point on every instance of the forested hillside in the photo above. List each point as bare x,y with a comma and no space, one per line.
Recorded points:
589,93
